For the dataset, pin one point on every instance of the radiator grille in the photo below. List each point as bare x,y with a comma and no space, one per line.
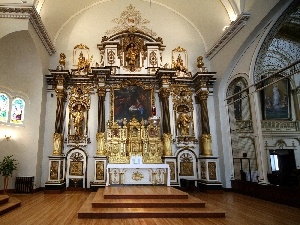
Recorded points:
24,184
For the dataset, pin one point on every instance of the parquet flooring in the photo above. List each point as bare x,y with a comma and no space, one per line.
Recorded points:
57,209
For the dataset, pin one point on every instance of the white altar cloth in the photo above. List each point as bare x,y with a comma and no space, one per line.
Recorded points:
138,174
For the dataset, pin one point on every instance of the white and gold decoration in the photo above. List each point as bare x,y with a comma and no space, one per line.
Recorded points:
139,115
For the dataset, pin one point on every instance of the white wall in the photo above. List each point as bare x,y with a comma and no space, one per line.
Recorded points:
21,75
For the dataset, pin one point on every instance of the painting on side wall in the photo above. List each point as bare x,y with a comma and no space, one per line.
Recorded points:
276,100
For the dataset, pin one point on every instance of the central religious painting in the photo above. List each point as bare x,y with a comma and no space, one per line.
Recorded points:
132,102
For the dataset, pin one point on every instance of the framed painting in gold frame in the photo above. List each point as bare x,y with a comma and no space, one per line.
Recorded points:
276,100
132,100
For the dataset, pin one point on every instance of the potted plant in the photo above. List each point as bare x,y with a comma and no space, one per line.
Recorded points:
7,166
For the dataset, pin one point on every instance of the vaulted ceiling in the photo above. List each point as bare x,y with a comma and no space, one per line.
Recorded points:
201,14
207,17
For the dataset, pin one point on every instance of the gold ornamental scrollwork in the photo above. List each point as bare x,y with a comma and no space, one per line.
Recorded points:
100,137
203,170
153,59
164,93
203,95
167,144
133,139
206,144
186,165
130,20
212,170
137,176
54,170
101,91
57,144
100,170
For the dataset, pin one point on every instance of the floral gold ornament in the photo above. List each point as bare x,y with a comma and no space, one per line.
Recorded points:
206,144
130,20
76,168
186,165
212,170
137,176
54,170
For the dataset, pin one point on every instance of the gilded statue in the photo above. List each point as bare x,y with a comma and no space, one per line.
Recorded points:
83,63
183,123
78,118
179,64
62,60
131,55
200,63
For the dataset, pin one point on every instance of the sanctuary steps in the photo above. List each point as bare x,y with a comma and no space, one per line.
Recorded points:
8,203
144,202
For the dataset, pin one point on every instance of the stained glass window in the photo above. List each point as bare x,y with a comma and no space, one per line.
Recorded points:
4,107
17,111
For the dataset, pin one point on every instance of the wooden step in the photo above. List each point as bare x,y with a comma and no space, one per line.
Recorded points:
87,211
4,199
100,202
120,202
10,204
143,192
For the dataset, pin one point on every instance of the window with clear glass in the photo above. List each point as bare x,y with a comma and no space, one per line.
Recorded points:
4,107
17,111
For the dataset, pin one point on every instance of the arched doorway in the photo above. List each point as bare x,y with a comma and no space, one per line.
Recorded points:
76,176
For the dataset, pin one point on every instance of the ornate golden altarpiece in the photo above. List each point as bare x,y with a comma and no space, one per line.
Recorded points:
133,139
131,58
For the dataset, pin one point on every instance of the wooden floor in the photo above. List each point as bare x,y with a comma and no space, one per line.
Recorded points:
52,209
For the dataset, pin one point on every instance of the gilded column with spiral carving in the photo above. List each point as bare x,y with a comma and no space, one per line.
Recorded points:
60,107
206,136
100,137
167,136
164,98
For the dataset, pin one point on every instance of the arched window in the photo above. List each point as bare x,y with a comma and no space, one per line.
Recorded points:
242,141
4,107
17,111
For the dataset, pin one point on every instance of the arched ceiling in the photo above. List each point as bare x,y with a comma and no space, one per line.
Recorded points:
282,46
208,18
203,15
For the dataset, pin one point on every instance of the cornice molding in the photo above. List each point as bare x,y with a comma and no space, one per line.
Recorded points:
230,32
34,18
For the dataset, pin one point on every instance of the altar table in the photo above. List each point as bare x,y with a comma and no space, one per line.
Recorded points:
138,174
